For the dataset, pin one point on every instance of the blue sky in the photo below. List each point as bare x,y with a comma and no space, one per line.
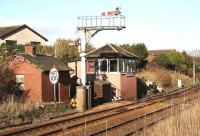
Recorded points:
160,24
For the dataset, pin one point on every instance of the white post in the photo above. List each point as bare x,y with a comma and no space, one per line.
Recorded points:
194,76
54,91
83,60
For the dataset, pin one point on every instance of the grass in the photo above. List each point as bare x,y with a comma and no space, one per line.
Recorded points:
14,113
186,123
165,79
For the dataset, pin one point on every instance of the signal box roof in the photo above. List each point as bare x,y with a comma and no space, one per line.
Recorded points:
111,51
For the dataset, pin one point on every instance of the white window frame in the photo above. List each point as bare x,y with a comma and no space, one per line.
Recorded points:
117,66
21,81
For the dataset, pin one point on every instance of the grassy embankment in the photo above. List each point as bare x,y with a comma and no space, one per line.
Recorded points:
186,123
164,78
14,113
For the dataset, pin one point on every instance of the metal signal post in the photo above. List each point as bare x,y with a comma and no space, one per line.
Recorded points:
89,26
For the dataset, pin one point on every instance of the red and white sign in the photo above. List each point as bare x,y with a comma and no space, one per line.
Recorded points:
53,75
109,13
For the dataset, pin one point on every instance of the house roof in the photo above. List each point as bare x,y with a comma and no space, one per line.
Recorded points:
47,62
10,30
158,52
111,50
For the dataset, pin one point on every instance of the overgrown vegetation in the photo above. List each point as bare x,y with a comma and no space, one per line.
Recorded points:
167,79
8,85
175,60
15,113
185,123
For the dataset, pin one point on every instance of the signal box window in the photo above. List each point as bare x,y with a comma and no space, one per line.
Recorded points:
113,65
103,66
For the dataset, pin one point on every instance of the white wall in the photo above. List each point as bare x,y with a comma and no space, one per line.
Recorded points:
72,65
25,36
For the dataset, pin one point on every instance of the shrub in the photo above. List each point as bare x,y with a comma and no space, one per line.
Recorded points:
11,48
163,78
164,61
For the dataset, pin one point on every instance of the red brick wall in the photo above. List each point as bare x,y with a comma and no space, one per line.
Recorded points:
37,81
63,87
128,87
32,77
47,88
31,50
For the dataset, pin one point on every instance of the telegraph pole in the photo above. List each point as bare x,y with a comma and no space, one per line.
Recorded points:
194,67
194,76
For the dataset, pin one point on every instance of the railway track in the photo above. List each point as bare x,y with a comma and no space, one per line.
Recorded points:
74,123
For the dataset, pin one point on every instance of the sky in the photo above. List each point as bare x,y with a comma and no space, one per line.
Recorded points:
159,24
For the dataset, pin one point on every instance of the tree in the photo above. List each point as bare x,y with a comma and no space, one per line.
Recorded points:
89,48
138,49
164,60
66,51
45,49
8,85
179,61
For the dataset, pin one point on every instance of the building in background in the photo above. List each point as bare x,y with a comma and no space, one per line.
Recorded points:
20,34
32,73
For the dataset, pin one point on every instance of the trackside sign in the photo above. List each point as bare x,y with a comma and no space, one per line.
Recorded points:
53,75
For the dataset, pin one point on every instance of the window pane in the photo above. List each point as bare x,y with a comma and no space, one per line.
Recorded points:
20,80
134,65
129,65
125,65
11,42
103,66
35,43
113,65
121,69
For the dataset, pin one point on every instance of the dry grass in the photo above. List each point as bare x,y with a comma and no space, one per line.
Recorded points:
165,79
186,123
14,113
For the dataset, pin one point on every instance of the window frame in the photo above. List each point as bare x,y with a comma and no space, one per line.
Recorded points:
21,81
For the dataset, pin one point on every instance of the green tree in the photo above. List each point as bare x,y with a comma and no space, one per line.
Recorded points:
138,49
179,61
164,60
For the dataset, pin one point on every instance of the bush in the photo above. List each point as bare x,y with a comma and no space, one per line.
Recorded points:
164,61
163,78
11,48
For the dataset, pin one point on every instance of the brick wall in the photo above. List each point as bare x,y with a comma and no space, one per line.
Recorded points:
37,82
62,85
126,86
32,77
129,87
47,88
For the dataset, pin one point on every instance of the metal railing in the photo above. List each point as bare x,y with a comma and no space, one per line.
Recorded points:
101,22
